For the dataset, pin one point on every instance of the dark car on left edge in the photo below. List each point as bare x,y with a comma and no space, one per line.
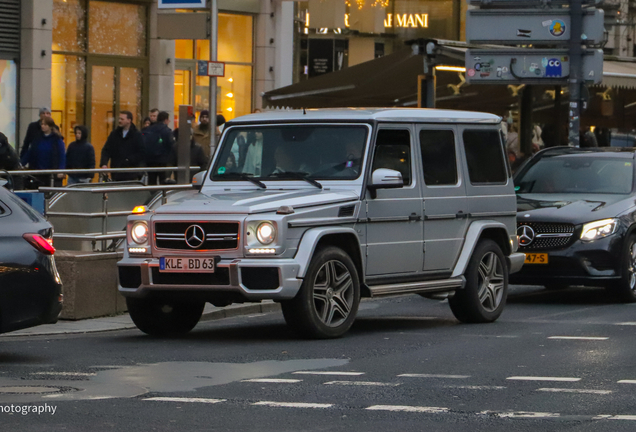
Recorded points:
30,286
576,219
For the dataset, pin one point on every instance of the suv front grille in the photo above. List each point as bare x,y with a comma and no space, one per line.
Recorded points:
548,235
218,235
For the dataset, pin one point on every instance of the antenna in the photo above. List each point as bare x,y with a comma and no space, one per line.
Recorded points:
304,111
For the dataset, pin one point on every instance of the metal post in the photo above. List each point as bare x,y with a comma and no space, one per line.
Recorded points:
431,83
558,116
104,219
183,145
525,128
214,21
576,71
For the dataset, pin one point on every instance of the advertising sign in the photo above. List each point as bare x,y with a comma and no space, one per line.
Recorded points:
178,4
529,66
530,26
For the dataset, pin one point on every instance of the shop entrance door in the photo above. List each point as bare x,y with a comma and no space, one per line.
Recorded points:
184,76
115,86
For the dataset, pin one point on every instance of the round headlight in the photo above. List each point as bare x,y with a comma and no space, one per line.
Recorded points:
266,233
139,233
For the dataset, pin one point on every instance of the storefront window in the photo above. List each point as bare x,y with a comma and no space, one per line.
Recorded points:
8,98
69,25
235,38
117,28
235,91
184,49
67,93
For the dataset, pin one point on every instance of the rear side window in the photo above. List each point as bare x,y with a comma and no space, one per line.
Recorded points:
393,151
485,157
438,157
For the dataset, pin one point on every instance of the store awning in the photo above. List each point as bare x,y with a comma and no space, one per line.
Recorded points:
619,74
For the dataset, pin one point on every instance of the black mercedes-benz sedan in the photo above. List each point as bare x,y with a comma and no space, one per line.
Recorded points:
30,286
576,219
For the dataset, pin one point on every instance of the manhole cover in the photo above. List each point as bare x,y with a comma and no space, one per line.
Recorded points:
28,390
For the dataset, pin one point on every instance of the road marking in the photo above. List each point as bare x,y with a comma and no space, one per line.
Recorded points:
65,373
188,400
468,387
564,390
292,404
328,373
521,414
627,382
434,376
627,323
406,408
362,383
588,338
537,378
614,417
272,380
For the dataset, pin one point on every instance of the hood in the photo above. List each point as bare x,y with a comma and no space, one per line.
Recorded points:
84,132
252,201
571,208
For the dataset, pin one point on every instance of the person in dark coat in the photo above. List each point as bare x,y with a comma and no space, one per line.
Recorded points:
34,130
158,144
9,160
46,153
124,148
80,154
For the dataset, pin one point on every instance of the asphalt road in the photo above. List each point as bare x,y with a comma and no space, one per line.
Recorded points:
553,361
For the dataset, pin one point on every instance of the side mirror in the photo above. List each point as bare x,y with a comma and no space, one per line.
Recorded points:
198,179
384,178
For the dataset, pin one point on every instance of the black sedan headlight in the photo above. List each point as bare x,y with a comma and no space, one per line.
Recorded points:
599,229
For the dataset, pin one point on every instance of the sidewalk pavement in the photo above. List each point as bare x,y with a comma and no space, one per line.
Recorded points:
122,322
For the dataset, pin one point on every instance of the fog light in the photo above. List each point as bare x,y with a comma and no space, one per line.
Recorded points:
262,251
137,250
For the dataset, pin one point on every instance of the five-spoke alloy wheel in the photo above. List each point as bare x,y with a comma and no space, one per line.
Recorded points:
484,296
327,303
625,288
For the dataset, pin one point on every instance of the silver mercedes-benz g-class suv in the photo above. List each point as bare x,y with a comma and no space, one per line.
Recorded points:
315,209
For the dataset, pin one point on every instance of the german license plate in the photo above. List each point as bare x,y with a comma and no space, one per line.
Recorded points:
186,265
536,258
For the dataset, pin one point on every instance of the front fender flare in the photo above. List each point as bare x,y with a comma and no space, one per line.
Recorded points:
472,237
311,238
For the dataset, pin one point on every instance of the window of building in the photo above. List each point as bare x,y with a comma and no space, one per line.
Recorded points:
438,157
117,28
484,156
9,96
68,83
393,151
69,25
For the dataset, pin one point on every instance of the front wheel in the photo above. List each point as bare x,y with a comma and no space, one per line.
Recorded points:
484,296
625,289
327,302
159,318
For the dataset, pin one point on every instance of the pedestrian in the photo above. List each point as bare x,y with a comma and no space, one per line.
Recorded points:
146,123
152,115
124,148
587,138
9,161
512,140
220,124
158,145
80,154
197,154
46,153
201,132
34,130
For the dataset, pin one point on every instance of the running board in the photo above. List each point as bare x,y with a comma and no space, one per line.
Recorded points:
418,287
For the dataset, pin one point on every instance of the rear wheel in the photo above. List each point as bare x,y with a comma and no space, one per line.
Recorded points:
484,297
625,289
158,318
327,302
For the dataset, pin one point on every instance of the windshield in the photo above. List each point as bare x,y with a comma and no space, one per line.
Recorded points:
320,152
577,174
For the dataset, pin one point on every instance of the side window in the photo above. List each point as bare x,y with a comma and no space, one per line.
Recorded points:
484,156
393,151
438,157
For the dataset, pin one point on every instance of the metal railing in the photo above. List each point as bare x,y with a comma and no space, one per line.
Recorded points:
104,190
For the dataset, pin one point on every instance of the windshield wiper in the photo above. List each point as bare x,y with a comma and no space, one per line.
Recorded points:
298,175
245,176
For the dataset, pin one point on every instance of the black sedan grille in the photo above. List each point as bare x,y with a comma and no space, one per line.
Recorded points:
218,235
548,235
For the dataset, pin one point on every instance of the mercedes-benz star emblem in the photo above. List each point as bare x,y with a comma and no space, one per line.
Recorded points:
526,235
195,236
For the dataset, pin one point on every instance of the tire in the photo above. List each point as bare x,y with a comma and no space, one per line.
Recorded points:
483,298
556,286
159,318
625,288
327,302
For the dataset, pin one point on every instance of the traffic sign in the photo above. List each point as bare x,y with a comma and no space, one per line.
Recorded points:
528,26
529,66
178,4
210,68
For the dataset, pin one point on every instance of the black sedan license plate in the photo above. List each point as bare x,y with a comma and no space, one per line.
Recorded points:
186,265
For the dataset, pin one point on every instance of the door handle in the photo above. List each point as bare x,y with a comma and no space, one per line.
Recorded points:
461,215
415,217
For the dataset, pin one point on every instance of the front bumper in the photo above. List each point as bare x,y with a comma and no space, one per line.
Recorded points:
515,262
246,279
594,263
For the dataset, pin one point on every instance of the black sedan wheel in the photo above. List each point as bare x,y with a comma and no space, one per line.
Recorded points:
159,318
327,303
484,297
626,287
